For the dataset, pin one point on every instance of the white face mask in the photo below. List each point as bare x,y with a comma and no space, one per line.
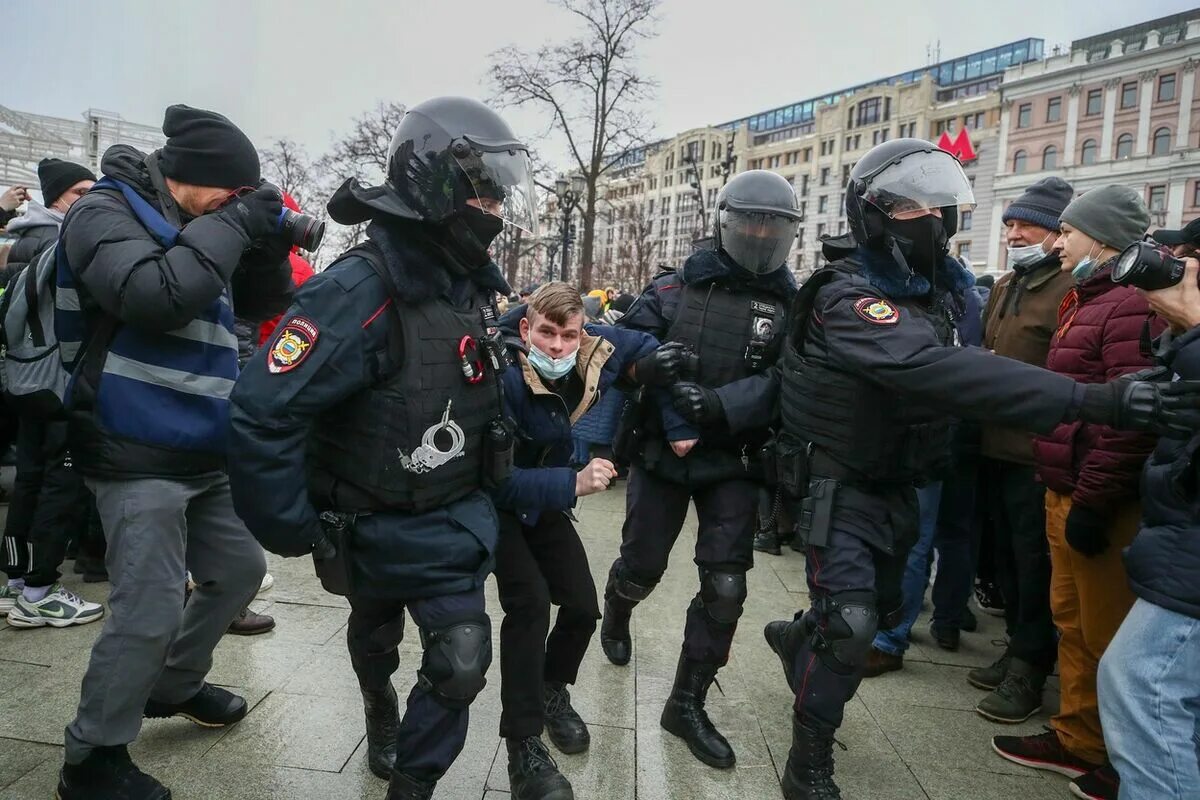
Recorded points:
1027,254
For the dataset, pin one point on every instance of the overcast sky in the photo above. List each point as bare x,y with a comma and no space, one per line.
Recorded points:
304,68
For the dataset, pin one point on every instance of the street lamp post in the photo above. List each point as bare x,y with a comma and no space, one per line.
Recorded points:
569,194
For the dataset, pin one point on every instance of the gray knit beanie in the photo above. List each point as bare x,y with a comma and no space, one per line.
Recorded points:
1113,215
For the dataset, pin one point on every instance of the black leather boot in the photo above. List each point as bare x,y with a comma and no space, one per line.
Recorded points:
808,774
767,541
406,787
382,710
685,717
785,638
532,773
108,774
614,630
564,726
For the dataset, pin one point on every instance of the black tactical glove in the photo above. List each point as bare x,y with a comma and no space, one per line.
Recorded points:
664,366
696,404
1087,531
1133,403
255,213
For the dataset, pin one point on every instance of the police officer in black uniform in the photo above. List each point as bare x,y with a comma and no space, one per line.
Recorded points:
369,429
726,305
871,379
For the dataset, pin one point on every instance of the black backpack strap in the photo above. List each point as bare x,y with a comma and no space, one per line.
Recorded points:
369,252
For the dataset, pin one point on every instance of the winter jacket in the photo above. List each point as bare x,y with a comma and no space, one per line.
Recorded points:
542,479
301,271
34,231
1163,563
1019,321
162,295
1099,337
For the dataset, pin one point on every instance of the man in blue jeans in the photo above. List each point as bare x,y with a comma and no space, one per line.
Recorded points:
1148,688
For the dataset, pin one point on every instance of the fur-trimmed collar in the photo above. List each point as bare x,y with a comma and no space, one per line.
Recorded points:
705,266
886,275
416,262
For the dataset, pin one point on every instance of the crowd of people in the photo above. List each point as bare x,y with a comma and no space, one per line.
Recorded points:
414,426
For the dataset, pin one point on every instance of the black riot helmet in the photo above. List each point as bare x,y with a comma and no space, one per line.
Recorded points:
756,220
893,183
447,151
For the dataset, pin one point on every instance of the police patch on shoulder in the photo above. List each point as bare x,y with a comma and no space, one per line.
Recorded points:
877,311
292,345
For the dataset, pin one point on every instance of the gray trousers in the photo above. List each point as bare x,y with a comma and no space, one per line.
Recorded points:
151,646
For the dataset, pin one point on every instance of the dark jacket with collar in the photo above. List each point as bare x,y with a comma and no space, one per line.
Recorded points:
444,551
1163,563
1019,321
34,231
542,479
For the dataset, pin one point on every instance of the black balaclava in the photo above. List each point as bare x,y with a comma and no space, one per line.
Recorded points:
919,244
470,232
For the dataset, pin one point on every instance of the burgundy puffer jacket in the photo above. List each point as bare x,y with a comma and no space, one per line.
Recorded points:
1099,339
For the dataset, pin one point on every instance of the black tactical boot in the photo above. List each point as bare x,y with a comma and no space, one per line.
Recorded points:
108,774
685,717
614,630
785,637
406,787
808,774
767,541
382,710
532,773
564,726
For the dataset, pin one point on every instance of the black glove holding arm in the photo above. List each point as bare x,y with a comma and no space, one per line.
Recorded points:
255,213
697,404
1139,402
1087,531
664,366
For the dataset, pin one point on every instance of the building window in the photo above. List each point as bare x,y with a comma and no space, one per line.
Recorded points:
824,176
1129,95
1024,115
823,204
1095,102
1196,194
964,222
1166,88
964,251
820,229
804,185
1124,146
1162,142
868,111
1087,153
1018,162
1054,109
1158,198
1050,157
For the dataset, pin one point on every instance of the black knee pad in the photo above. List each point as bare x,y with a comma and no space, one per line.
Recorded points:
845,629
624,584
456,659
722,595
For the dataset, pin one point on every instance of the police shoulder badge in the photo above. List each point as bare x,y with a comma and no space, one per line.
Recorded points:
877,311
292,345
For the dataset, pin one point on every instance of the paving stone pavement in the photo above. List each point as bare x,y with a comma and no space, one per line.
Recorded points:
910,735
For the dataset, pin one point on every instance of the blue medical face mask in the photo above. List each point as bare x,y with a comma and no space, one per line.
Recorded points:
551,368
1084,269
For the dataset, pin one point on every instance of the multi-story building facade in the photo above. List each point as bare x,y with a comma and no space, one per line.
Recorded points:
661,198
1120,107
25,139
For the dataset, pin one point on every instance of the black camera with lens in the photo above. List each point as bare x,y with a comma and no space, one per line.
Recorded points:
301,230
1148,266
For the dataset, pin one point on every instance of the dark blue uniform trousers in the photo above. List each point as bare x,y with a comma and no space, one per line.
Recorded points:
431,734
655,511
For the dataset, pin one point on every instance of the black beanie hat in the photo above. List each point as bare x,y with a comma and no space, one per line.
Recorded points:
205,149
1042,204
56,176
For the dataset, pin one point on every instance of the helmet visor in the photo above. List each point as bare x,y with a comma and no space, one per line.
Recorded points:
503,184
920,182
758,242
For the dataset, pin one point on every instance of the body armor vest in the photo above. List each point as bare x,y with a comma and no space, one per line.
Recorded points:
415,440
736,331
857,429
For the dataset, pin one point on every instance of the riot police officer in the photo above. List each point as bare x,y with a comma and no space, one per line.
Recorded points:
871,379
728,305
369,429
